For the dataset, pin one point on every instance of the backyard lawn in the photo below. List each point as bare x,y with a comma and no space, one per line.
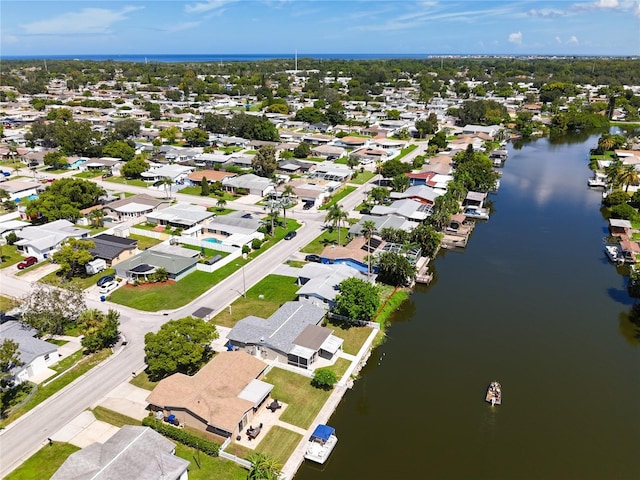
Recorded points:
144,242
336,197
354,337
304,401
123,181
279,444
276,289
329,236
44,463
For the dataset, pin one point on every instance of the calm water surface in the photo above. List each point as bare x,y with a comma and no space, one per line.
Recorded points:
533,303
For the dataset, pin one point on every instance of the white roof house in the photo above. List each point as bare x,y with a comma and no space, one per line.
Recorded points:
42,240
253,183
319,282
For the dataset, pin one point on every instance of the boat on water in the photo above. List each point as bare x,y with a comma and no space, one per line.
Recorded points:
494,394
614,253
322,441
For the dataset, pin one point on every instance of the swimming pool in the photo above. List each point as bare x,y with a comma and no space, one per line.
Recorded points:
211,240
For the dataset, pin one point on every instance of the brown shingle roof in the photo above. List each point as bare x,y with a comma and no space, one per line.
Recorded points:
212,393
210,175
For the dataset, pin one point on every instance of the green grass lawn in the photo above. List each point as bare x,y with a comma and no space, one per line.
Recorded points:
353,337
220,211
58,384
408,149
204,467
340,367
113,418
44,463
142,381
304,401
9,255
339,195
35,266
329,236
276,290
54,278
207,252
7,303
279,444
145,242
362,177
88,174
136,182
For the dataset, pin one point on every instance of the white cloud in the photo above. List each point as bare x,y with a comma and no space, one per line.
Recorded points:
515,38
558,40
86,21
546,13
206,6
573,40
636,10
607,4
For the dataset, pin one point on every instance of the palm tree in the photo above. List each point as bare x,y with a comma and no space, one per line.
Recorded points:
368,228
628,176
614,171
96,217
287,191
221,203
263,467
166,182
336,215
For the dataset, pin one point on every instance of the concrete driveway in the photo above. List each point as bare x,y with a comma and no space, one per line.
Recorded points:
84,430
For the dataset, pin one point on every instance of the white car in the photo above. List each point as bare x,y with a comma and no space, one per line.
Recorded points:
107,287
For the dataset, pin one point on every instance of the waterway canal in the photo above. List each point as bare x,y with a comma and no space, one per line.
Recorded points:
533,303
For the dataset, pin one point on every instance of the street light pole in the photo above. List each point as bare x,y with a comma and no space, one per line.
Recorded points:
244,282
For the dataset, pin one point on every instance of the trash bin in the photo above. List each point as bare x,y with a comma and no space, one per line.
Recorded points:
103,298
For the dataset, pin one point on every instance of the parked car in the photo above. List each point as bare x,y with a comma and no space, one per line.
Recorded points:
313,258
290,235
107,287
307,205
27,262
105,279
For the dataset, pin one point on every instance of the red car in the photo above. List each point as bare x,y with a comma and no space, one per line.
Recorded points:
27,262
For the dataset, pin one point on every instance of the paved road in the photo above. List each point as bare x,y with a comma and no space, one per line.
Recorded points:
25,436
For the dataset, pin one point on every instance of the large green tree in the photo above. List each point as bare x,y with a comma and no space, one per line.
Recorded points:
181,345
358,300
264,162
52,308
134,168
64,198
100,330
73,256
119,149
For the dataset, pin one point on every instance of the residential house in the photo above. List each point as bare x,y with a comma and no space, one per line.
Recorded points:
330,152
35,355
408,208
132,453
75,163
351,142
254,184
210,175
319,282
491,130
332,171
237,228
277,337
135,206
293,165
22,189
12,225
113,249
43,240
388,221
191,218
177,261
176,173
221,398
420,193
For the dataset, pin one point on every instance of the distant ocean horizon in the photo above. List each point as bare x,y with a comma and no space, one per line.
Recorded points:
255,57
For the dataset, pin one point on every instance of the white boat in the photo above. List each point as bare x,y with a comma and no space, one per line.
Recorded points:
476,213
322,441
598,180
614,253
494,394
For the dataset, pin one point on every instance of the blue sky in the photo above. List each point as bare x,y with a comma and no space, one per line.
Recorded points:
86,27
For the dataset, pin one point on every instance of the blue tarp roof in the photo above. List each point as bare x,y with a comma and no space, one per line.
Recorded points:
323,432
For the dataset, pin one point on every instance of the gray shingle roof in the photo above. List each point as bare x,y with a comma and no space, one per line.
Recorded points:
30,346
132,453
280,330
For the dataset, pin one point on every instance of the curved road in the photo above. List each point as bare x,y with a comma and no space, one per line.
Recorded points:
26,435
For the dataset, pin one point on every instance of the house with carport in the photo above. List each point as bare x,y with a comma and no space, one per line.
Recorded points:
177,261
253,184
191,218
237,228
221,398
134,207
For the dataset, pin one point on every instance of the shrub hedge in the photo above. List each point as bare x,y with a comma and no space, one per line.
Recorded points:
182,436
